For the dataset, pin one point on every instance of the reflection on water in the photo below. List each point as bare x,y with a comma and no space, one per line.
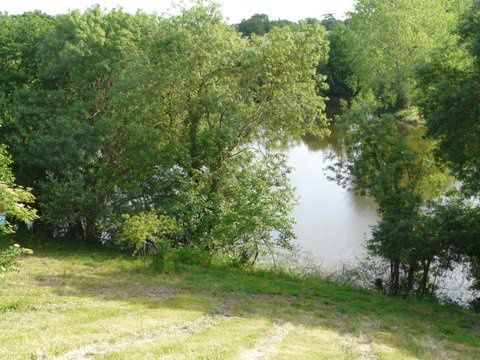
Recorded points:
332,223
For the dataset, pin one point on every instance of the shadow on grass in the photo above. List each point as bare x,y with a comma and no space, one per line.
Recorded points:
109,275
279,298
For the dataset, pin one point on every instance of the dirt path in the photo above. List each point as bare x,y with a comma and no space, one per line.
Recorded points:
269,344
360,346
139,338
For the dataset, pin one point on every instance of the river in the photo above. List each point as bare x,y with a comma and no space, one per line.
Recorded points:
332,223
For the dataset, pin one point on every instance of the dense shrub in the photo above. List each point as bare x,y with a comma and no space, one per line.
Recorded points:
9,258
167,259
146,230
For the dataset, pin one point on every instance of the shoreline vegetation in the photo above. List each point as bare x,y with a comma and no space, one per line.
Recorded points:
75,301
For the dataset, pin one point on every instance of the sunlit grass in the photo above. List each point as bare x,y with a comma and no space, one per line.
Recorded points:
73,300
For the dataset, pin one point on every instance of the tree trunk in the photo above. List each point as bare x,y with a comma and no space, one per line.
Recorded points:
412,268
75,231
422,290
91,233
394,277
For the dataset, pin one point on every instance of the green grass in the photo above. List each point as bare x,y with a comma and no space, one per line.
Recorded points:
76,301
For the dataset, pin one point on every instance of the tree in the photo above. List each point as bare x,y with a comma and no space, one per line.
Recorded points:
389,38
386,156
259,24
20,38
180,116
15,206
389,161
329,22
449,97
339,70
213,95
57,124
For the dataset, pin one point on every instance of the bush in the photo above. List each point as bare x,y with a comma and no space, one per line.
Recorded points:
166,259
145,230
9,258
193,256
161,260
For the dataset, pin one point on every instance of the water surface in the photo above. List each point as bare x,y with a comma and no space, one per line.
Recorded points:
332,222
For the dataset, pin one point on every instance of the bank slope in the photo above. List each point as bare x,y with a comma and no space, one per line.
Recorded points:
78,302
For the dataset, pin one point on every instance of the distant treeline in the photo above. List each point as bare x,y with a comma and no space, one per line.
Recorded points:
337,70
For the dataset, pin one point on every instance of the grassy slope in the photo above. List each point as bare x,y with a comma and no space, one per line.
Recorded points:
94,304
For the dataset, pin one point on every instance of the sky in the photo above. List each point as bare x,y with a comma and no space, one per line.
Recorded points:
233,10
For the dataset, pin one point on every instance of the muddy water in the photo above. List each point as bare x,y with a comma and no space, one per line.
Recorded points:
332,223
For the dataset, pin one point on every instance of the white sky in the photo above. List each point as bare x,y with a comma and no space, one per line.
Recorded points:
233,10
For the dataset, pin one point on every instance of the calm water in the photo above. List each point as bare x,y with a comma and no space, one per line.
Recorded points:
332,223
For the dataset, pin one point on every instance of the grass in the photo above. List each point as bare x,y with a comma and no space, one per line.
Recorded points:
72,301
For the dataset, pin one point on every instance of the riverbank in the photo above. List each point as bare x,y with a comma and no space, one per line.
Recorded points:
75,302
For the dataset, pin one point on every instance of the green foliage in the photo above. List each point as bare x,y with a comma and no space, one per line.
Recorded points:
259,24
457,225
256,205
20,38
329,22
56,124
146,229
389,38
13,198
210,95
9,258
449,95
402,52
339,68
386,158
391,162
415,243
125,113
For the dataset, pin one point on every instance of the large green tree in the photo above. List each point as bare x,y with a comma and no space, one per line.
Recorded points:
390,161
386,155
179,116
450,98
221,104
259,24
449,88
56,125
389,38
